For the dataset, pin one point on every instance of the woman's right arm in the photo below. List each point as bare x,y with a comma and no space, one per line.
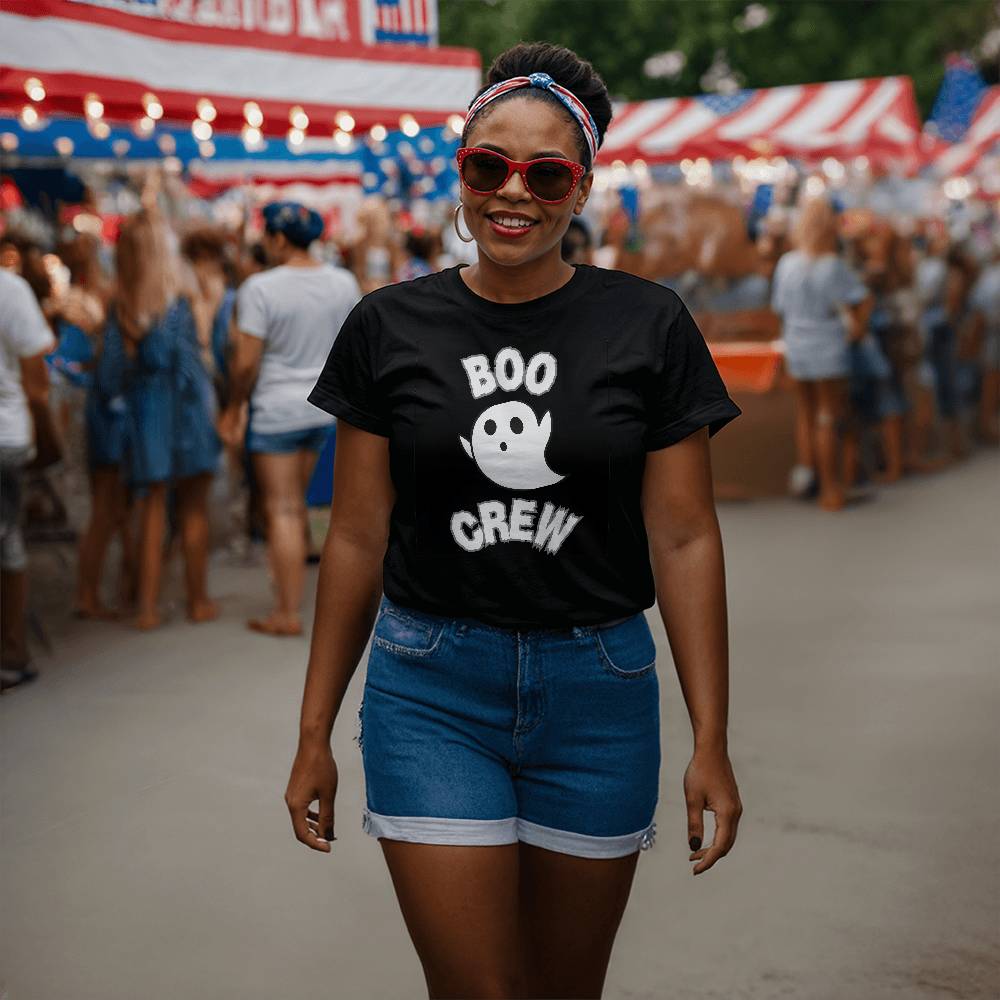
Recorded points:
347,602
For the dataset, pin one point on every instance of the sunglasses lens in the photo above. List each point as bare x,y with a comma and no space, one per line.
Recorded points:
483,171
550,181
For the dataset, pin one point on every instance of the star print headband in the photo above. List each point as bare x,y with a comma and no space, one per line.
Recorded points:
544,82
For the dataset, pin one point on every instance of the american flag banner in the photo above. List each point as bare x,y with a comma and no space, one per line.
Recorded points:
270,65
412,22
875,117
957,99
981,137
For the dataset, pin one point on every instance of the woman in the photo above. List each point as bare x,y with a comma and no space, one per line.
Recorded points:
419,252
170,407
205,248
516,438
824,308
941,289
287,319
81,363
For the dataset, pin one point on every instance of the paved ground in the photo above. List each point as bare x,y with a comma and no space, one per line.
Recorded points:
145,849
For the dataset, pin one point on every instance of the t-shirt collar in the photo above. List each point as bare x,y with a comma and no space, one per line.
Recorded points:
560,297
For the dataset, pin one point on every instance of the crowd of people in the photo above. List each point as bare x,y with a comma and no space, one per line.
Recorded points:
189,363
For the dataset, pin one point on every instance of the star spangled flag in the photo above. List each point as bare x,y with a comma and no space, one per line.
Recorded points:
958,98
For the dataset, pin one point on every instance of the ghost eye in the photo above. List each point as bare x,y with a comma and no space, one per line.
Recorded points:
490,427
516,425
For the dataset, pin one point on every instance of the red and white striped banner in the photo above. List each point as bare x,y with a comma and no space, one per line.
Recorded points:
281,54
874,117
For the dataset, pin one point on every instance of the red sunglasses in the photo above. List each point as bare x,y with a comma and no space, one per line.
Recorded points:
549,178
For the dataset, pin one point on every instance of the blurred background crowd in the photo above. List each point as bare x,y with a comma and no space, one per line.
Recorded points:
167,298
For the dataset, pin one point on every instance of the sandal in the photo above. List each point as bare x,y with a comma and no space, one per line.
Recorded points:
11,677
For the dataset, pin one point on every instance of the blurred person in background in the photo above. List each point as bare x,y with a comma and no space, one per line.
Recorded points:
984,304
170,408
21,254
43,506
80,314
968,350
419,252
110,497
577,246
874,403
940,287
824,308
25,340
287,319
213,298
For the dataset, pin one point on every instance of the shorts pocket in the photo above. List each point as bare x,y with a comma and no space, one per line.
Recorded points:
627,649
406,635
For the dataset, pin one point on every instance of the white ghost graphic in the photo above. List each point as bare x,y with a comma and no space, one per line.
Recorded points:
508,445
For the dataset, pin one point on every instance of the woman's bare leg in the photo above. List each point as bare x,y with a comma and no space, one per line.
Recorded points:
13,617
831,402
279,476
192,498
570,910
128,585
307,464
460,906
805,399
892,449
989,406
921,423
851,455
105,512
152,528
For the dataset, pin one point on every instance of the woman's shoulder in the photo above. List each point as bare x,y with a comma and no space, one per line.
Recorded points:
612,281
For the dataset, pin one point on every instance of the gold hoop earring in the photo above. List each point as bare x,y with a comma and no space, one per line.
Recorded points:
458,208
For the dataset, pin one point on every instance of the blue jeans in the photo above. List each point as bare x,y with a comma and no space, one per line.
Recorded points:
288,442
478,735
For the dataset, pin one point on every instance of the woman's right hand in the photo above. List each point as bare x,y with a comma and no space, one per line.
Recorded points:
232,425
314,777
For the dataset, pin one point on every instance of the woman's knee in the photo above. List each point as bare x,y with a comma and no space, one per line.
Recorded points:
291,505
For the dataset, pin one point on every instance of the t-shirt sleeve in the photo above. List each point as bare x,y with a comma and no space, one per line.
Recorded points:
251,313
848,287
348,386
25,329
688,392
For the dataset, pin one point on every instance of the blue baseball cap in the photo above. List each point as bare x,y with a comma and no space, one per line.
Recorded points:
300,225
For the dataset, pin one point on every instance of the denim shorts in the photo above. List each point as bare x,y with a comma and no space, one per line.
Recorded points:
473,734
287,442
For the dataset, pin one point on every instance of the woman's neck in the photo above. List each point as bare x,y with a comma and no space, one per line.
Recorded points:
519,283
301,258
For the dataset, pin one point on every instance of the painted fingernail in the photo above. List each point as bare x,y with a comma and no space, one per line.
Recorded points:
694,843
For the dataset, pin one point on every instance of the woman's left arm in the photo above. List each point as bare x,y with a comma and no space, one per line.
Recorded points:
686,552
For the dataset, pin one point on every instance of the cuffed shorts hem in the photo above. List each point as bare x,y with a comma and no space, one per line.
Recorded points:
288,442
495,832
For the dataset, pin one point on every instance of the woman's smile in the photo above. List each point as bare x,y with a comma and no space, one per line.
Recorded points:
511,225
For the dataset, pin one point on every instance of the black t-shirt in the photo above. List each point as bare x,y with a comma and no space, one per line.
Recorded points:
518,435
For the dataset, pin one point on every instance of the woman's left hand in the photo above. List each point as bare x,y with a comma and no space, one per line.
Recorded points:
709,784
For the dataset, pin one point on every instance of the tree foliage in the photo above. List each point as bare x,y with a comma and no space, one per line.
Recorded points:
804,41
